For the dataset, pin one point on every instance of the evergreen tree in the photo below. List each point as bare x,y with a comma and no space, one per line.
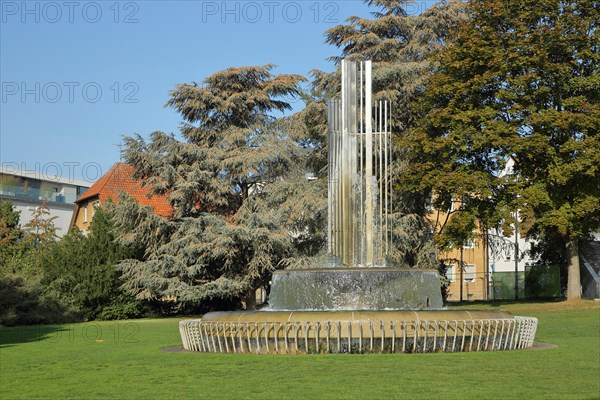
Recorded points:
229,182
22,296
10,234
400,46
80,270
520,80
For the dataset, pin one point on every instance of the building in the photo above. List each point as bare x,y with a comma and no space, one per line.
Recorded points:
474,272
490,264
119,179
28,190
472,255
509,256
494,264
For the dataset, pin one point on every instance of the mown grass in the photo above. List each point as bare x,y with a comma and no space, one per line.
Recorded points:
120,360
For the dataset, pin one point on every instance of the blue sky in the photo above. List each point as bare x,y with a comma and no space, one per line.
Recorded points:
78,76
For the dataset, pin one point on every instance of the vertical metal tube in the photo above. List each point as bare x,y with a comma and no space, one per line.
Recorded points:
241,342
346,164
386,177
346,232
248,338
329,175
334,181
391,209
285,337
338,157
342,195
403,336
333,210
352,160
361,175
349,336
393,325
368,166
380,197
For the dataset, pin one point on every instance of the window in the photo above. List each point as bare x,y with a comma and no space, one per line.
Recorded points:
85,215
469,273
453,207
451,272
469,244
80,190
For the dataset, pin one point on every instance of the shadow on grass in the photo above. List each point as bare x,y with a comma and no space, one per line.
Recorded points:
10,336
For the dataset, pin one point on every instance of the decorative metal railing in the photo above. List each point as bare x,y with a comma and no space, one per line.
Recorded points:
314,337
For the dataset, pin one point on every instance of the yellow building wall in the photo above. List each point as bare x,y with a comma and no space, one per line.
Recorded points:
80,221
474,284
474,256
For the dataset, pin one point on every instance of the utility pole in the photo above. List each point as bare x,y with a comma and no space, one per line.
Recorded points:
516,257
487,264
461,272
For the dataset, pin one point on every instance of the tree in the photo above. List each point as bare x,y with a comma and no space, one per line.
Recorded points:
400,46
80,270
10,234
20,248
74,278
22,296
521,80
40,229
228,181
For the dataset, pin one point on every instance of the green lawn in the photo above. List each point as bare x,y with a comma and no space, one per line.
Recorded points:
115,360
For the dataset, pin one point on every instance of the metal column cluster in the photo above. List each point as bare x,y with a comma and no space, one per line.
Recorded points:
360,196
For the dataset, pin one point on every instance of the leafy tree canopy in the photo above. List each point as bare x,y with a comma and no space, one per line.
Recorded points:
520,80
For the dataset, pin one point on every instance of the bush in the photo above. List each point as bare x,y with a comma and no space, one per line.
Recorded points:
81,269
25,302
73,279
124,307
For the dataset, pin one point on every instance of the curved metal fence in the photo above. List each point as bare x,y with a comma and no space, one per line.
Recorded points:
367,336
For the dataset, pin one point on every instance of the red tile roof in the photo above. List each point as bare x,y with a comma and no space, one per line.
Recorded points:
120,179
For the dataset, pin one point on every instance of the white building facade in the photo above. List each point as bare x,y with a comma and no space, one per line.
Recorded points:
28,190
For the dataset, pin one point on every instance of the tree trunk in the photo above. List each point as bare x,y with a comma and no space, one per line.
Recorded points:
574,282
250,300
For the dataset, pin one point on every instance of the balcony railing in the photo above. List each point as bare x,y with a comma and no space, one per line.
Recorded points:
18,192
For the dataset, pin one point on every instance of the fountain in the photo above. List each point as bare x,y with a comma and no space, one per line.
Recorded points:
356,303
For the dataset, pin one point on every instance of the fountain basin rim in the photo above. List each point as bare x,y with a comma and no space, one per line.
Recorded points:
353,315
353,269
307,332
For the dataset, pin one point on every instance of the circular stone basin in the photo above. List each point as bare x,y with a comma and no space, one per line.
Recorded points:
314,332
356,289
